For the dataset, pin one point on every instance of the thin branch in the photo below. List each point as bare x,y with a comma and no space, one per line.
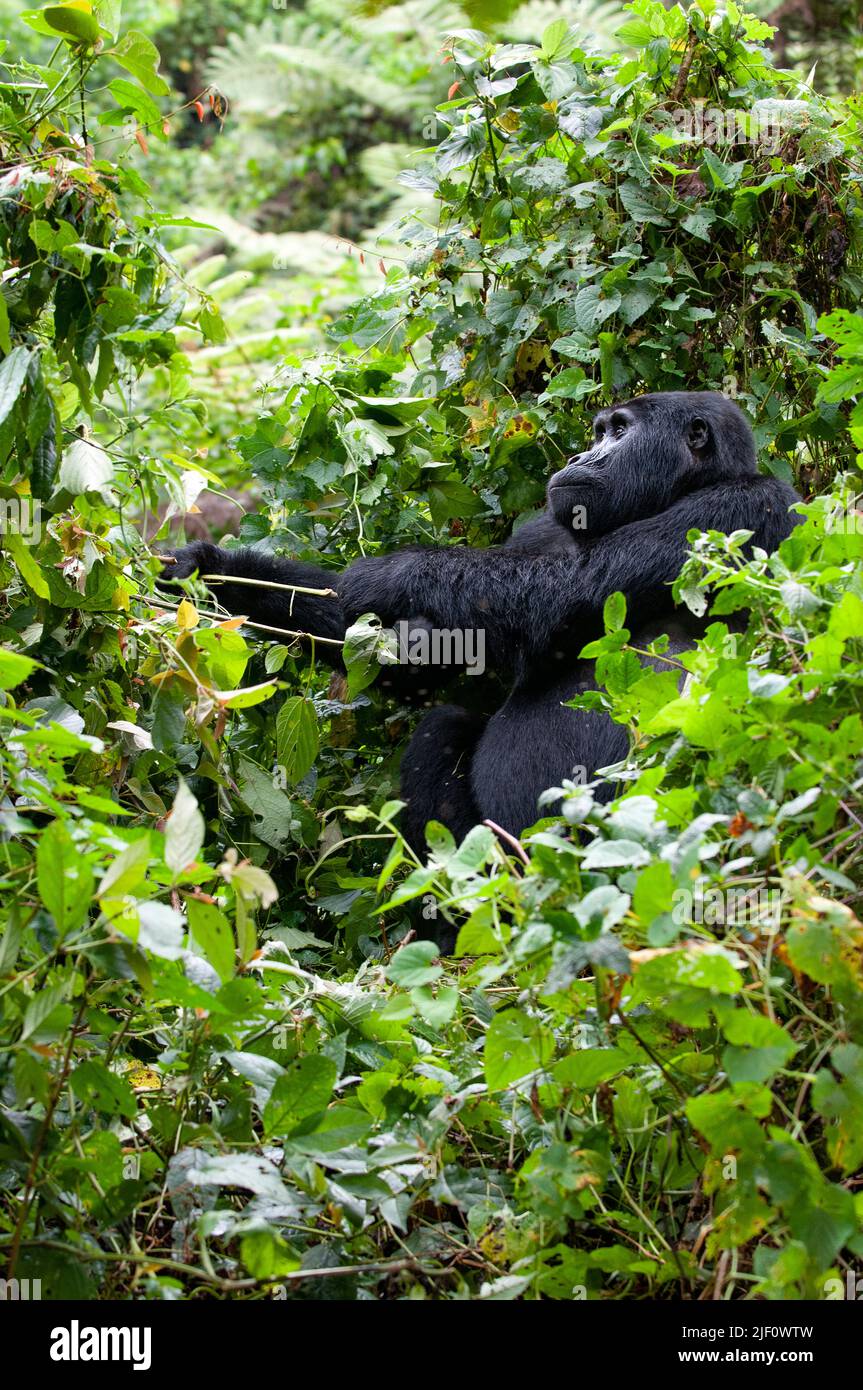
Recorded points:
266,584
263,627
229,1285
288,632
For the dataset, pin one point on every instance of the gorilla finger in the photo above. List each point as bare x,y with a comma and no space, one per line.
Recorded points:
199,556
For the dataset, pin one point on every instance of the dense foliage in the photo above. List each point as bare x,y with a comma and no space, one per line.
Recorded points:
223,1068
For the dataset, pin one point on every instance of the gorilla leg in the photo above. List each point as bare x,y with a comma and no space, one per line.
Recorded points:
436,783
534,742
436,774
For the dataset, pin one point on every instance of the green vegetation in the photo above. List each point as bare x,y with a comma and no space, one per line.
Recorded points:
222,1072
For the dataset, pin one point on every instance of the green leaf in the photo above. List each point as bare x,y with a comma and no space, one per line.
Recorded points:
841,1102
635,32
364,641
587,1067
84,468
15,668
450,499
641,204
184,831
73,23
44,467
653,891
13,371
266,1256
247,696
614,612
304,1090
142,107
436,1009
592,306
211,931
64,877
760,1047
38,1023
140,57
212,324
411,965
297,739
515,1045
5,340
103,1090
127,871
27,566
556,40
699,223
611,854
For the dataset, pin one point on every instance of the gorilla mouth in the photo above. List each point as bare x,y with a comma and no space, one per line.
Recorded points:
576,483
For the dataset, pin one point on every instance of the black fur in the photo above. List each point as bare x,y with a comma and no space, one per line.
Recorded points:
659,466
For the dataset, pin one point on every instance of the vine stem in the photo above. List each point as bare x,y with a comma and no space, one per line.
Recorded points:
84,134
510,840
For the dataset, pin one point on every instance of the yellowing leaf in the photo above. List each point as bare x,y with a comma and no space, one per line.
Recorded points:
143,1078
187,616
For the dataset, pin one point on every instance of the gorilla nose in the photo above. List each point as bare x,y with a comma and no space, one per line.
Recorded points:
562,478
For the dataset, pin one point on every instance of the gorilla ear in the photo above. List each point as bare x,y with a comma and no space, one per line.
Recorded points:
698,436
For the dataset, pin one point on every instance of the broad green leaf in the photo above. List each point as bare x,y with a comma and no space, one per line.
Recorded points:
436,1008
127,871
64,876
13,370
84,468
140,57
304,1090
212,933
515,1045
587,1067
73,22
184,831
106,1092
297,738
411,965
248,696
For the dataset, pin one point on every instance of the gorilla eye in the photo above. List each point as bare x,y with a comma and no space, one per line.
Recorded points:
618,426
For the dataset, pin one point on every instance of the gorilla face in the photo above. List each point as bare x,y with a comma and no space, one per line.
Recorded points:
645,454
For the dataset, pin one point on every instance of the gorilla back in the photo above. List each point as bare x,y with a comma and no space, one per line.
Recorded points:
616,520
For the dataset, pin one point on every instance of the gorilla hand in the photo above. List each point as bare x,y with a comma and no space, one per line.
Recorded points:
272,594
200,556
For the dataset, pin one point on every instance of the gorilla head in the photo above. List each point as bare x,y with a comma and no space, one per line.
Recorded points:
646,453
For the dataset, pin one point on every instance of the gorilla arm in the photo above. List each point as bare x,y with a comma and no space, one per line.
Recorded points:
314,614
525,600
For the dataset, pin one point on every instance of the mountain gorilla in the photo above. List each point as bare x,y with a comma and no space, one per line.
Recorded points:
617,519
